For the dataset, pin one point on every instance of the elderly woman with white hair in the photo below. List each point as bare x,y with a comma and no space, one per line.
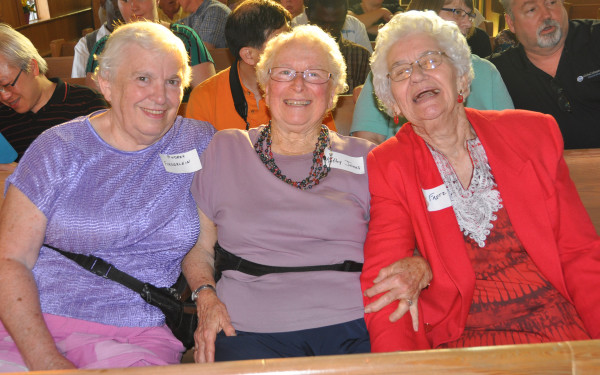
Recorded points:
288,203
114,185
484,196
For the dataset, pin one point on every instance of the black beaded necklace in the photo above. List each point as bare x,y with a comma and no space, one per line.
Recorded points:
318,170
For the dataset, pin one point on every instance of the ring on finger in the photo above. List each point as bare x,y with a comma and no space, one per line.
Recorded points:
410,302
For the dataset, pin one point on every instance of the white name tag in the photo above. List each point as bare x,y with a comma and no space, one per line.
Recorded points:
348,163
188,162
437,198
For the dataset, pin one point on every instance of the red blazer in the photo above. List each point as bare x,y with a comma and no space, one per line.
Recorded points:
524,150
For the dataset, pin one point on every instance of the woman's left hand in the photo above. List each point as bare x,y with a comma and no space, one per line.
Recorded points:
403,281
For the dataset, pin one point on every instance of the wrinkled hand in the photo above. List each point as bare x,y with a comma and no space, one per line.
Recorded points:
50,361
212,319
403,281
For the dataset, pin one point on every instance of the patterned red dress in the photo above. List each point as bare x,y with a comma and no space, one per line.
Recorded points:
513,303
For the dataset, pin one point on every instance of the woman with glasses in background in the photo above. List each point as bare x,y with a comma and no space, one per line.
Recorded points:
289,204
487,88
484,196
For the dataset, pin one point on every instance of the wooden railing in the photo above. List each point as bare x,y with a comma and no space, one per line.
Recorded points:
572,357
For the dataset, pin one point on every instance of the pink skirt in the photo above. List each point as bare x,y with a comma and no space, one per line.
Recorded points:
94,345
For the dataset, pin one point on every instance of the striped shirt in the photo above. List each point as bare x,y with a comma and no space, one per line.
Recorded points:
357,63
67,102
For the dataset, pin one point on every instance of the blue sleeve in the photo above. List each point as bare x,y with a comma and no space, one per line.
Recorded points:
501,98
367,115
488,91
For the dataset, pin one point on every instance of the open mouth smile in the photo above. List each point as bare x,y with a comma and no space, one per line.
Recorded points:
425,94
154,112
297,102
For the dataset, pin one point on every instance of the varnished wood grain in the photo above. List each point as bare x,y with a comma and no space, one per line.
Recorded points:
584,168
576,358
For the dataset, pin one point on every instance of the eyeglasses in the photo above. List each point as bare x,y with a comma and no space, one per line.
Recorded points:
460,13
3,88
317,76
563,102
430,60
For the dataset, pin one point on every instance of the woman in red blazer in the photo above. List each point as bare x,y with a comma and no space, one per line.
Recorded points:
484,196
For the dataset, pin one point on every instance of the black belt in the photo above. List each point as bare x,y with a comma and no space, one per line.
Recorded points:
224,261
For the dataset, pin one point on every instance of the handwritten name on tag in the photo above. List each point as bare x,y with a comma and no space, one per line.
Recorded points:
348,163
437,198
188,162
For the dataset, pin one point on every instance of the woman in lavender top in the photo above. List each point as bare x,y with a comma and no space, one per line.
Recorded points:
287,194
114,184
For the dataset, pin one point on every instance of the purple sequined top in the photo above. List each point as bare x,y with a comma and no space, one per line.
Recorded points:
121,206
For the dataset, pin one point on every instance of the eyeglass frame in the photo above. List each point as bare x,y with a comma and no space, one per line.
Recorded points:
458,12
564,104
293,77
4,87
418,62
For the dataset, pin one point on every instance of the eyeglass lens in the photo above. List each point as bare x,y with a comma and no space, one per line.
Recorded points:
428,61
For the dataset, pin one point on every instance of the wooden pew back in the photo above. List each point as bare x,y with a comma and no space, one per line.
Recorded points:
571,357
222,58
584,168
60,47
59,66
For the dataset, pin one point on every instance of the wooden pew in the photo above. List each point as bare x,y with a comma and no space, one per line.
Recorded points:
584,168
571,357
222,58
59,66
60,47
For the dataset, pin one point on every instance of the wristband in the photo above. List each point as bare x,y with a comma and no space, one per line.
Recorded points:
201,288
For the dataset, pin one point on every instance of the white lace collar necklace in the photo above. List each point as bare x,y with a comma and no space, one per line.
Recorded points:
474,207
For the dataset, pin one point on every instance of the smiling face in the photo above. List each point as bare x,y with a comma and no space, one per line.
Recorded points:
297,105
464,23
539,24
136,10
145,94
427,94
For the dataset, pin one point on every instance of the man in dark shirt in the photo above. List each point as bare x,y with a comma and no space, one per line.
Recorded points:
375,13
29,102
555,69
330,15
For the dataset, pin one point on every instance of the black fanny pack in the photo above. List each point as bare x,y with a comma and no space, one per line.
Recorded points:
224,261
174,302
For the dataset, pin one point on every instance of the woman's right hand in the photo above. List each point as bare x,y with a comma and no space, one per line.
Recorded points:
402,281
55,361
212,319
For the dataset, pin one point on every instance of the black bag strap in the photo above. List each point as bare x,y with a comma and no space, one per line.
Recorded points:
237,92
100,267
224,260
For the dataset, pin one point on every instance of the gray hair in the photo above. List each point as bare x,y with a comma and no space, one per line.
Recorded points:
18,50
310,35
147,35
507,4
446,33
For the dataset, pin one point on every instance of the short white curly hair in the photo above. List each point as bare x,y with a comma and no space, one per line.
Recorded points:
310,35
148,35
446,33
